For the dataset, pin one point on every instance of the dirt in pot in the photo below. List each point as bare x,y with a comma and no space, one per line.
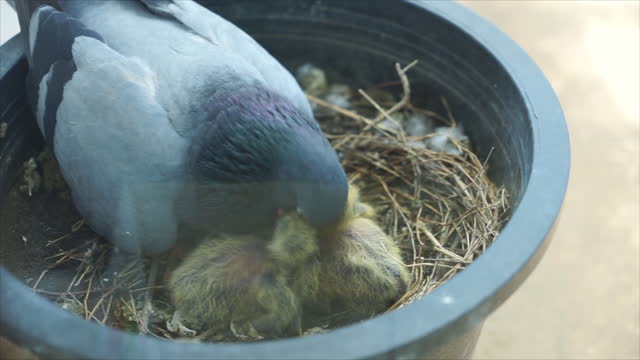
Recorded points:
422,200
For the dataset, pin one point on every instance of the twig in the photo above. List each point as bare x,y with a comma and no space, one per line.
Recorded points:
349,114
39,278
77,225
58,293
406,93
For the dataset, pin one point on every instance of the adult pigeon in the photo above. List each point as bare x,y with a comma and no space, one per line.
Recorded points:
163,114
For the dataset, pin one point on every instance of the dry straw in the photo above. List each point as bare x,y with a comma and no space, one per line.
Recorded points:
442,209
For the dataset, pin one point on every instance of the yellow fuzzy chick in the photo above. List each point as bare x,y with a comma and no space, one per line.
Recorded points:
362,272
246,280
270,281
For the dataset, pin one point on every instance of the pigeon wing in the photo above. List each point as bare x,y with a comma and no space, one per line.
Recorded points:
115,145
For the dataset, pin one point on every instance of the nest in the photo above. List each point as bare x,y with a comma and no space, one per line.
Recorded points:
438,205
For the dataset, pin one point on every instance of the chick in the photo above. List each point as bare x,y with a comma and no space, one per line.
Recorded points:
294,250
362,272
246,280
269,281
365,270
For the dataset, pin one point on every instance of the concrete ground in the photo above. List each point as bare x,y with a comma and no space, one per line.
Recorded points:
582,302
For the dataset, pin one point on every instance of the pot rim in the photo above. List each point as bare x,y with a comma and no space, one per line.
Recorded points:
454,302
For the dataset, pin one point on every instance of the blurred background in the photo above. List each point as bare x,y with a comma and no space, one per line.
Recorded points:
583,300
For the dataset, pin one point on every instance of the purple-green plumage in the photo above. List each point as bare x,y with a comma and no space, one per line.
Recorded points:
256,154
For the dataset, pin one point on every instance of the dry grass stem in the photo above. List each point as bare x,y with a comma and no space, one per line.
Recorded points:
447,200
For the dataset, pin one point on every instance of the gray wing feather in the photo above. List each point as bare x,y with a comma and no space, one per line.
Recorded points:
117,150
49,35
221,32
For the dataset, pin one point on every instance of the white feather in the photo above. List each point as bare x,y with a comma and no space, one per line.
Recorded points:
42,97
33,29
442,140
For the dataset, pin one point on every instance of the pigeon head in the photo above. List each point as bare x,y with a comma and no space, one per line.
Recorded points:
256,156
309,172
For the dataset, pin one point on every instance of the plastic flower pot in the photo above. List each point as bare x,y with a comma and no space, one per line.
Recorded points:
497,92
